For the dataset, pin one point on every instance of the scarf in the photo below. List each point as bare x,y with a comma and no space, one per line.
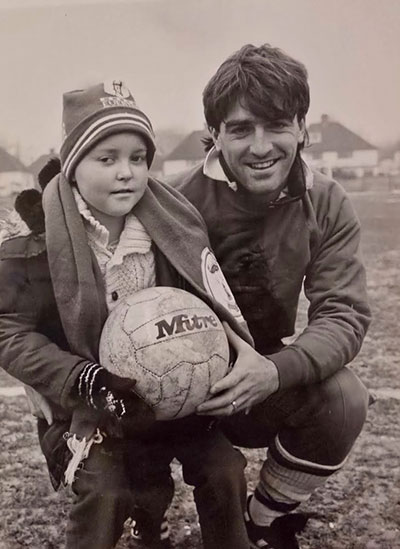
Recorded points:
176,228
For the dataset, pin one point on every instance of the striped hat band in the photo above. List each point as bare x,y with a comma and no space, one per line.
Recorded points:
100,128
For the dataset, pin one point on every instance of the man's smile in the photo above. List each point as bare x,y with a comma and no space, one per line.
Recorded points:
264,165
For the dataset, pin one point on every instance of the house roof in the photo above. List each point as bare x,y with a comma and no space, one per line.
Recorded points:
335,137
9,163
191,148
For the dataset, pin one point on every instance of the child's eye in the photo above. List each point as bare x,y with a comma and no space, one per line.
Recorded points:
106,160
138,158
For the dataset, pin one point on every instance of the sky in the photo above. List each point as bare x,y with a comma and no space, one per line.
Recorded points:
166,51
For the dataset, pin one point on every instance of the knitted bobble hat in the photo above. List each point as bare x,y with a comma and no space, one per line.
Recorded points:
97,112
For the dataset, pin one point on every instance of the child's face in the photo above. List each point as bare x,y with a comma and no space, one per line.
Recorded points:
112,177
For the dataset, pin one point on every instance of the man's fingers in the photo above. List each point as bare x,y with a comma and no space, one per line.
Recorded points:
215,403
224,399
221,406
228,382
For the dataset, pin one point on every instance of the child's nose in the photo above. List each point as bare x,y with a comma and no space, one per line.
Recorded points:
124,171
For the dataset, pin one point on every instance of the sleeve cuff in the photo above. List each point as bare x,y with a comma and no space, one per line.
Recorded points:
291,369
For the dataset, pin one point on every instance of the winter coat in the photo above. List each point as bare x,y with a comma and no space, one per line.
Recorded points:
40,339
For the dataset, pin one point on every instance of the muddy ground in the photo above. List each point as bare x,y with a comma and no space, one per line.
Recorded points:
359,508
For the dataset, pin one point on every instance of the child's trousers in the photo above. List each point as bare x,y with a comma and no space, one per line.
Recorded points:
121,476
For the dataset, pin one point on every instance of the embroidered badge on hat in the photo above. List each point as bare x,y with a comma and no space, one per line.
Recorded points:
119,94
118,88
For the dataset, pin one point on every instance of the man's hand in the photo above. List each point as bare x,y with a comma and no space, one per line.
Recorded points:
252,379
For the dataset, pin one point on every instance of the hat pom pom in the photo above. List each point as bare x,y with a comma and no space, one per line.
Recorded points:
28,204
49,170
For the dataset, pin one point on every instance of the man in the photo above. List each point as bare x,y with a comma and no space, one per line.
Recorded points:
274,224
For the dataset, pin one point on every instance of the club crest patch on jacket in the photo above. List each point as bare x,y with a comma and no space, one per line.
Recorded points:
216,285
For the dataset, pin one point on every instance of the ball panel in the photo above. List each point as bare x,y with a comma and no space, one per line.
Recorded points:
161,357
185,387
117,352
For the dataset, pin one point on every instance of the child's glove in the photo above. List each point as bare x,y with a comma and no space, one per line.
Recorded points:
113,395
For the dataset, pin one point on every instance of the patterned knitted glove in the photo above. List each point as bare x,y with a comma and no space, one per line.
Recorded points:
113,395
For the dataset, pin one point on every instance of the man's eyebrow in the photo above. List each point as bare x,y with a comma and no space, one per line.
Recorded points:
238,122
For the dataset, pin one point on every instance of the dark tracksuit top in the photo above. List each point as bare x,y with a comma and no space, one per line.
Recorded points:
266,252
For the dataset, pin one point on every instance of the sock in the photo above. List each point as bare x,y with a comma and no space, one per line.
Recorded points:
285,482
263,509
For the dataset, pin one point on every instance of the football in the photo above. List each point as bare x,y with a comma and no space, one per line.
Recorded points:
171,343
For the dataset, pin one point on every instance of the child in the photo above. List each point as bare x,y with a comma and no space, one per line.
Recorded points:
107,229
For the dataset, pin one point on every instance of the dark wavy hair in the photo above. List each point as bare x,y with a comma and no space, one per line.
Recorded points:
270,83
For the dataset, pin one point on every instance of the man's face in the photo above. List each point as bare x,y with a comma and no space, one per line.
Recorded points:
258,152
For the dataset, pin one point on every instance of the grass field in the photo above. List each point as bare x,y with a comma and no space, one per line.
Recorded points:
359,508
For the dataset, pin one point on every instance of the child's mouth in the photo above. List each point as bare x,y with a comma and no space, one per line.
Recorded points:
123,191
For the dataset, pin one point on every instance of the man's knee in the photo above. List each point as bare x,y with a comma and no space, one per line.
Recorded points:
347,398
339,419
324,428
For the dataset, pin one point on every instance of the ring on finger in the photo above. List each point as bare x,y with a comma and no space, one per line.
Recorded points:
234,406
